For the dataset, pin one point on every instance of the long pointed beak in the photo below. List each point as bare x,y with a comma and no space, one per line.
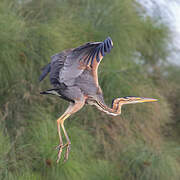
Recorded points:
143,99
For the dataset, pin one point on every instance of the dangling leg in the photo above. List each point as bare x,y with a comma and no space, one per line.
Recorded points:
77,106
73,107
60,140
62,118
68,143
60,146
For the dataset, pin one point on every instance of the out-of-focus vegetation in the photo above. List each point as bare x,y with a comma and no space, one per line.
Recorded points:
141,144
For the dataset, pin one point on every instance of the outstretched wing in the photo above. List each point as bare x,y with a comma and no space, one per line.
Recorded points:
83,57
57,63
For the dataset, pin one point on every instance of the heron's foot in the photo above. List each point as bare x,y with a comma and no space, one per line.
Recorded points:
60,148
68,148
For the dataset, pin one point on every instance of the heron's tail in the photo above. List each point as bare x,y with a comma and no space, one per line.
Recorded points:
45,71
57,93
51,91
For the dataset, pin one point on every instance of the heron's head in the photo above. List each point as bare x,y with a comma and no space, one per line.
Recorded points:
133,100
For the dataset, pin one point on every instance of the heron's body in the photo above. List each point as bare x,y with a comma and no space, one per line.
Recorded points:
74,75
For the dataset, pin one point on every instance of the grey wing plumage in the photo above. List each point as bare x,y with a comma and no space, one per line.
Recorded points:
45,71
69,64
57,63
79,58
72,68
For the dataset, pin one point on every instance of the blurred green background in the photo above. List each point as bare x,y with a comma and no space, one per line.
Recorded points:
141,144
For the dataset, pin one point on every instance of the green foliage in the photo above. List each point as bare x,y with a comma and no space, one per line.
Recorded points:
143,162
131,146
4,150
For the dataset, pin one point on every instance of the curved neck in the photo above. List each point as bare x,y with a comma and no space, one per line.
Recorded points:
114,110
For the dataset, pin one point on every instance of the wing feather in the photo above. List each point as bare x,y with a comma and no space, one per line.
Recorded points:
71,64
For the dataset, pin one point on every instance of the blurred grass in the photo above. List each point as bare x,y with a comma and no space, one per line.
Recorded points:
131,146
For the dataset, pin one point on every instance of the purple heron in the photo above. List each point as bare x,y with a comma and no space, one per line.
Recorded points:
74,75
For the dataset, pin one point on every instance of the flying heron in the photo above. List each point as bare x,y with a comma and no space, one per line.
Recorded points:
74,75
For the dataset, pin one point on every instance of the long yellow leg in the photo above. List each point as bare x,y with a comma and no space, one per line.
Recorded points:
68,142
60,141
60,146
73,107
